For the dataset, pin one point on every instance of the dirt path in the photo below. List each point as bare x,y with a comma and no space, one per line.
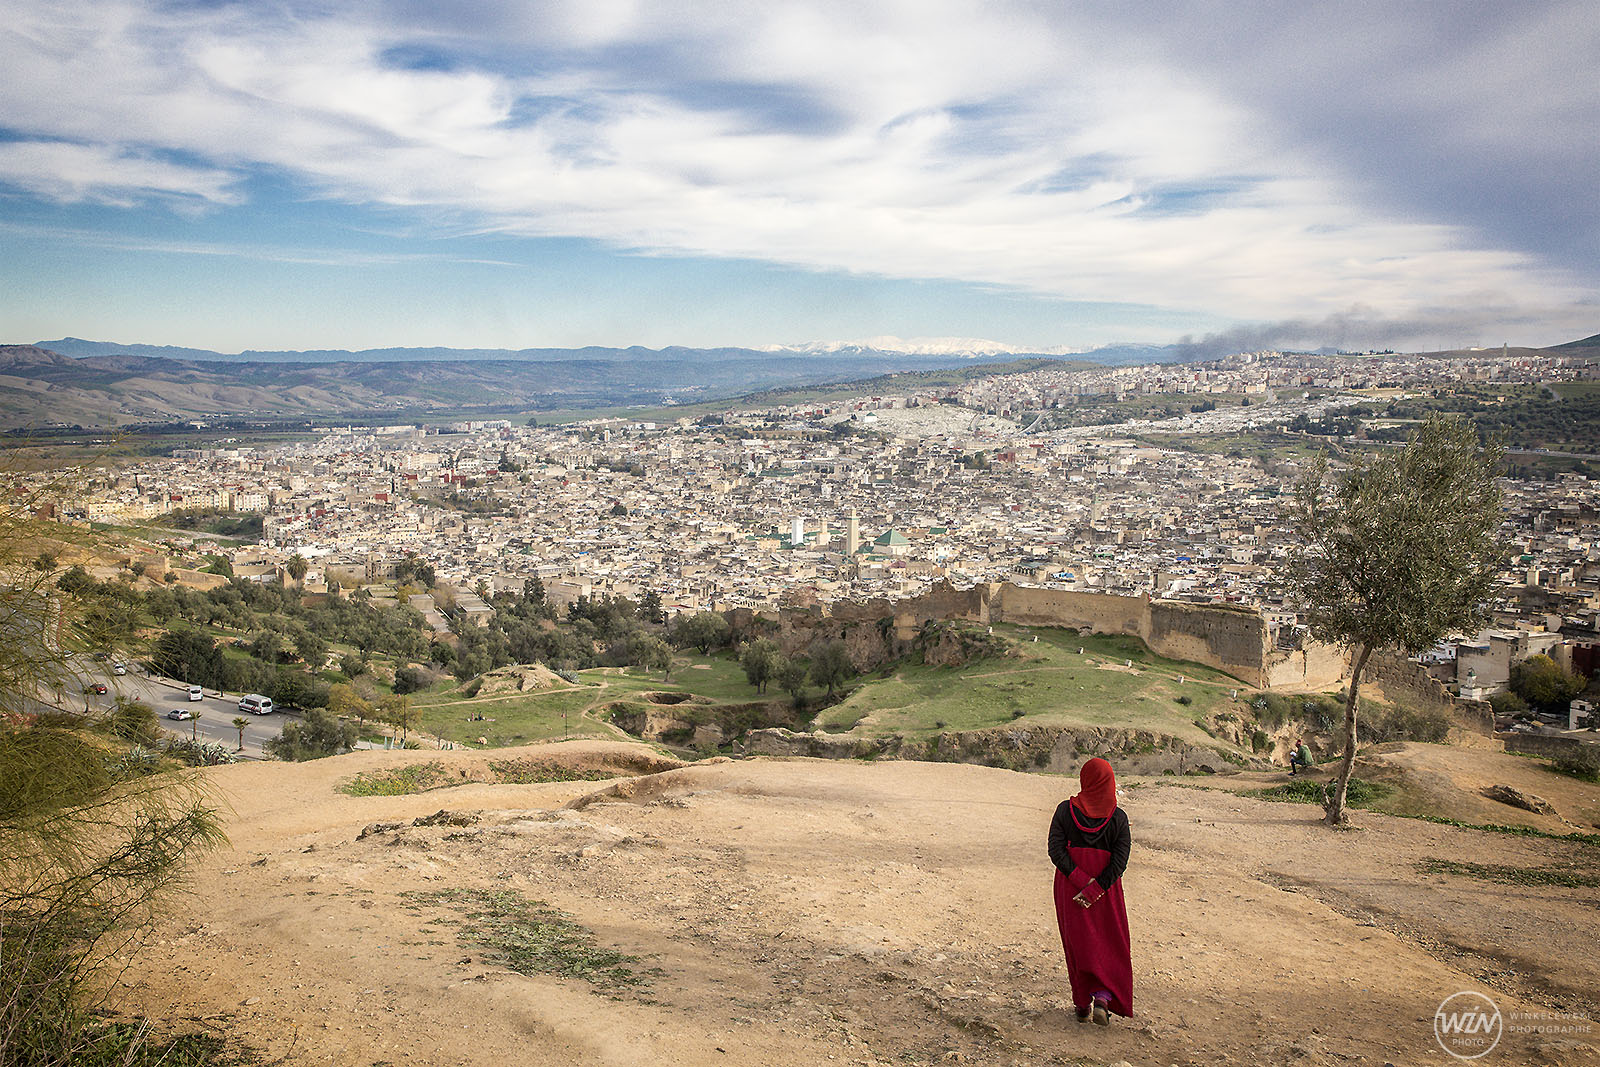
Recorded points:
802,911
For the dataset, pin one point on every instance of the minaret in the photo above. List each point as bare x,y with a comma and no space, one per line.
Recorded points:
797,533
852,533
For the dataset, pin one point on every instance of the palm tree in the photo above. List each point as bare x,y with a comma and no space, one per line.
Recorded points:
239,724
194,727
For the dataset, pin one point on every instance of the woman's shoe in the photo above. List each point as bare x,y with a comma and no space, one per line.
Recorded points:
1082,1013
1100,1014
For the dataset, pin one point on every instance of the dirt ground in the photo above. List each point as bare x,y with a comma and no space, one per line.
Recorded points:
814,912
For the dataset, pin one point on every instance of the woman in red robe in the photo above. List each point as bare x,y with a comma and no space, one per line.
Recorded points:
1089,843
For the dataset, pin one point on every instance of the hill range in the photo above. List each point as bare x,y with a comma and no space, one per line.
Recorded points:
96,384
42,387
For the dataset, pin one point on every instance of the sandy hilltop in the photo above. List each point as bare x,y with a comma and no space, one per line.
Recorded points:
814,912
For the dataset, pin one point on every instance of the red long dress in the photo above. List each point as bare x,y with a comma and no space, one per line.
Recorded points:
1095,939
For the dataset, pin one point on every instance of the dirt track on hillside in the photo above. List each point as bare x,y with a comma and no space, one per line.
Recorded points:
801,911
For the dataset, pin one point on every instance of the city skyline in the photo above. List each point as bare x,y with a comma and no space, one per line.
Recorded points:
296,176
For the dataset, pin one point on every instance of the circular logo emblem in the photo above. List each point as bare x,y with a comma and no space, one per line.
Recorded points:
1468,1025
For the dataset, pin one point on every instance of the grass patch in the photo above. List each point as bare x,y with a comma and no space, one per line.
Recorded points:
531,938
1493,872
402,781
1360,794
1114,681
423,777
535,772
128,1043
1514,831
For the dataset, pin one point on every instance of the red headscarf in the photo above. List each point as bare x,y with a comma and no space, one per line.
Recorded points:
1097,797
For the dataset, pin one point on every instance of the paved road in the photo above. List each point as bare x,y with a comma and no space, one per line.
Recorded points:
215,714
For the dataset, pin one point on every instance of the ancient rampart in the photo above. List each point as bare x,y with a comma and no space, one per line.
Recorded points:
1228,638
1573,752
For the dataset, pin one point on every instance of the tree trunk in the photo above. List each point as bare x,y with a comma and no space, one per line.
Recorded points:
1333,794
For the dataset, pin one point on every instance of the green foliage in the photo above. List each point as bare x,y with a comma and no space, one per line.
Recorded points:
408,679
791,678
1508,875
132,720
831,666
401,781
1400,723
87,845
760,660
315,735
1545,684
1400,551
532,938
124,1043
1508,705
196,753
1361,793
1404,547
1322,713
704,630
648,651
245,525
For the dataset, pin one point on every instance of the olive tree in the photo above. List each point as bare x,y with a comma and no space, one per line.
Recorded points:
1396,552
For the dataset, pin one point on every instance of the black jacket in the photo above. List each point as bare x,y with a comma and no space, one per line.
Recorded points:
1112,836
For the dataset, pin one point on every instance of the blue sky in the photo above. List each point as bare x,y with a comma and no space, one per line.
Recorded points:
499,174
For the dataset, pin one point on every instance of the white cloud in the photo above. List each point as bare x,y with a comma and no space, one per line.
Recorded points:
985,144
71,173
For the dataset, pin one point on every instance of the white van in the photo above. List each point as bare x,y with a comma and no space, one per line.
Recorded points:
196,693
256,704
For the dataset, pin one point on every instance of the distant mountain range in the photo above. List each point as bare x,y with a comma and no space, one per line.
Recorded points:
93,384
940,348
109,385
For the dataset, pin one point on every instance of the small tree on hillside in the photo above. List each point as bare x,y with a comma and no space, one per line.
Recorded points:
704,630
760,660
831,666
1399,551
791,678
397,709
651,653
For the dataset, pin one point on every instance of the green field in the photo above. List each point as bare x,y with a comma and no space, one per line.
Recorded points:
573,710
1048,682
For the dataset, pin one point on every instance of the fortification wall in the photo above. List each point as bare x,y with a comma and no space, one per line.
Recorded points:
938,603
1094,612
1570,750
1405,682
1230,639
1313,668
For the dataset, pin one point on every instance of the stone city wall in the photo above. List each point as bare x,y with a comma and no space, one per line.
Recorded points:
1228,638
1573,751
1314,667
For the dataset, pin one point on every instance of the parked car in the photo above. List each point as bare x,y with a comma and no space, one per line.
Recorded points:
196,693
99,687
180,714
120,669
256,704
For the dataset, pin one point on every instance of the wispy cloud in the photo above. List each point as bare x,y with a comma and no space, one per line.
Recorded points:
1090,154
265,253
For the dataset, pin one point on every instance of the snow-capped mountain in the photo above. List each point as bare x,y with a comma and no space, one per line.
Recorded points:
922,346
